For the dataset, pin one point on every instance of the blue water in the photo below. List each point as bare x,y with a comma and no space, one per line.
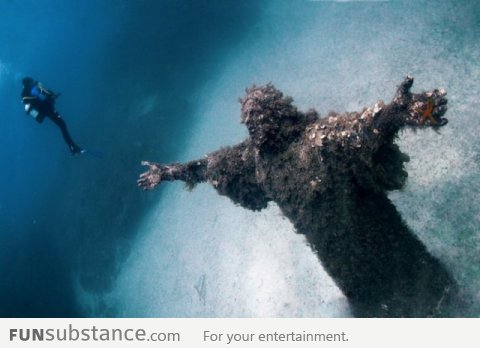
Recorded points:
159,80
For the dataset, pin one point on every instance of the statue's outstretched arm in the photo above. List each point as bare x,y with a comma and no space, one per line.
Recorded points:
231,171
191,173
411,109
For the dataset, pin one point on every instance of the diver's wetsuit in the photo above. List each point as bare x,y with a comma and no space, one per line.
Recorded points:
41,100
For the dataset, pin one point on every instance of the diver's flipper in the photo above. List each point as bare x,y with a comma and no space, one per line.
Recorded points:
94,153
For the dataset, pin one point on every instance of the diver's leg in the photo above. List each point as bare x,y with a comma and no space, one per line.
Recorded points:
40,118
58,120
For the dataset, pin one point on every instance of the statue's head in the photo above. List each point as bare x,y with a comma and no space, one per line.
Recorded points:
271,119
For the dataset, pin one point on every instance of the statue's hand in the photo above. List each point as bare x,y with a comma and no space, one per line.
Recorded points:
424,109
155,174
427,109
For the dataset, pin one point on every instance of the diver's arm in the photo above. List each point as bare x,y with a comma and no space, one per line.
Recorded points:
48,92
28,99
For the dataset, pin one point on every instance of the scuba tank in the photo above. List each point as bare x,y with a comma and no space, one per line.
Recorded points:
31,111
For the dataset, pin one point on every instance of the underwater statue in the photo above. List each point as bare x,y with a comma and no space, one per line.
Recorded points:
329,176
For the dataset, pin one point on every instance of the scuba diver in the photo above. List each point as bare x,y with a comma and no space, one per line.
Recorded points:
40,103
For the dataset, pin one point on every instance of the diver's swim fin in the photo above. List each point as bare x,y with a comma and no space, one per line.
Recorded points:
79,151
94,153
